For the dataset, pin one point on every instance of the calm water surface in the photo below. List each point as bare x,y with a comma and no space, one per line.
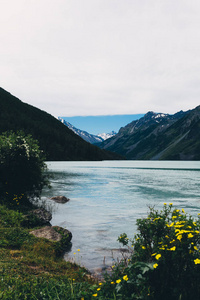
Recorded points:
107,197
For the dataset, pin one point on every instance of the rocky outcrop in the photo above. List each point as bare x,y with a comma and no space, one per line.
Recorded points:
37,217
53,233
60,199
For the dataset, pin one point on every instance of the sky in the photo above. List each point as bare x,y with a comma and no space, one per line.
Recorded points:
101,57
102,124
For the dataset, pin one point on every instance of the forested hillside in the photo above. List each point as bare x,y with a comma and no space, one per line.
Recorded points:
55,139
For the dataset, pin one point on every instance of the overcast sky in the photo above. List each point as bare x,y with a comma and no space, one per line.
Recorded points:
100,57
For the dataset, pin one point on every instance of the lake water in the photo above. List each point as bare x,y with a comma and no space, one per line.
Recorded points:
107,197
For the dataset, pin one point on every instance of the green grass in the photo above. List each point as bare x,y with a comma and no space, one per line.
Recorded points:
31,268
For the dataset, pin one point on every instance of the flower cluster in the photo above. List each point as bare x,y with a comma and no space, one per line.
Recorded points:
181,233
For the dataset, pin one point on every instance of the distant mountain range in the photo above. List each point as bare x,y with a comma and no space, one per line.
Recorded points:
90,138
56,140
159,136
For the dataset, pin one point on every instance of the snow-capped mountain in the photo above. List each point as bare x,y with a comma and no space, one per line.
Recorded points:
106,136
90,138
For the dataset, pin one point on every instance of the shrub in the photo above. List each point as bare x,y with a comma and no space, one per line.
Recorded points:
22,168
164,262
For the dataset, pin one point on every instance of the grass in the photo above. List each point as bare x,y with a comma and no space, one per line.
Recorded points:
31,268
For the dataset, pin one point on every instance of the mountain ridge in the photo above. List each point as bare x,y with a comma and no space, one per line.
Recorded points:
90,138
159,136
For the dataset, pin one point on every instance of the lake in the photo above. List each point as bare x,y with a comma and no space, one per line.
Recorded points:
106,199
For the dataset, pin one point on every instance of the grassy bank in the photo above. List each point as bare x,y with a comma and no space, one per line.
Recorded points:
33,268
164,262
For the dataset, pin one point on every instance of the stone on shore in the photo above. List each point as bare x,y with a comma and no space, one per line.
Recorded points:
60,199
53,233
37,217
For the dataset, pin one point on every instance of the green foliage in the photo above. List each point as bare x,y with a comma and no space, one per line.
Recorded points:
165,262
10,218
22,168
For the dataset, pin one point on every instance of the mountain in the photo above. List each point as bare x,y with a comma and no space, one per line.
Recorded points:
90,138
159,136
55,139
106,136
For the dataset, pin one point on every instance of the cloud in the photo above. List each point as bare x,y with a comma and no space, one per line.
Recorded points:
101,57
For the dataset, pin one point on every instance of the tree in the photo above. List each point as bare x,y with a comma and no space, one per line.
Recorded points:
22,168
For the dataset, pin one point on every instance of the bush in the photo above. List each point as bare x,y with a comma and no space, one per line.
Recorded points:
164,262
22,168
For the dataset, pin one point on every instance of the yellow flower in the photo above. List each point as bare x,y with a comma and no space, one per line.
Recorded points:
190,235
170,203
118,281
197,261
167,236
195,248
165,203
125,278
112,282
172,249
153,254
82,298
100,283
155,266
172,241
158,256
78,250
143,247
179,237
162,248
98,289
94,295
183,210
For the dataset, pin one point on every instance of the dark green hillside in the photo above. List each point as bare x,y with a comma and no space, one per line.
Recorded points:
57,141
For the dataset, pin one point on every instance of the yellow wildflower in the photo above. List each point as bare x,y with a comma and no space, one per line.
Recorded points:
172,241
158,256
118,281
94,295
125,278
172,249
190,235
179,237
100,283
195,248
78,250
143,247
98,289
162,248
183,210
197,261
165,203
155,266
112,282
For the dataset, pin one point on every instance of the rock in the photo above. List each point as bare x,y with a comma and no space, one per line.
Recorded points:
37,217
60,199
53,233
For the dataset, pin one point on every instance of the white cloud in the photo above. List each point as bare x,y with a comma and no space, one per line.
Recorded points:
94,57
